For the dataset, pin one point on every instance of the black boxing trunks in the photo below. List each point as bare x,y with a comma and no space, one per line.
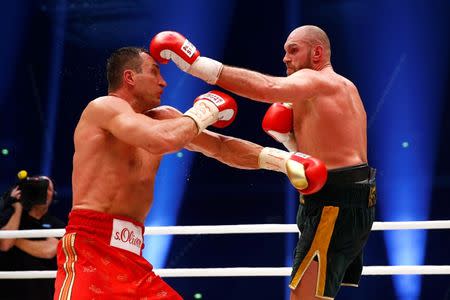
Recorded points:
335,224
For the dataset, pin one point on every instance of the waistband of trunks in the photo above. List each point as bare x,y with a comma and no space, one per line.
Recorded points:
352,186
96,223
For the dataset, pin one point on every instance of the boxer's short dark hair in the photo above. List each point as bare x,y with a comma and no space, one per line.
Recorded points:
120,60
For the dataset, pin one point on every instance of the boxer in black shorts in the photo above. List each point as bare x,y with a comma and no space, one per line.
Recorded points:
316,111
335,224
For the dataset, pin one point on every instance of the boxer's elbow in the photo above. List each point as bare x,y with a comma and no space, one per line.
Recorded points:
173,146
167,143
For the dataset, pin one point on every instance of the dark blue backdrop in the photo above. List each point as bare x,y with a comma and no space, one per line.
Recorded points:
53,57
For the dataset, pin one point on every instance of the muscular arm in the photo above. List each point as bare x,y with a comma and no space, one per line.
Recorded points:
156,136
40,248
232,151
246,155
264,88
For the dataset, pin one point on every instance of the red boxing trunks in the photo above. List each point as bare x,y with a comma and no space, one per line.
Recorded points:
99,257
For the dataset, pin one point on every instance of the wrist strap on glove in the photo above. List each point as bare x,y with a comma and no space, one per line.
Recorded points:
204,113
273,159
207,69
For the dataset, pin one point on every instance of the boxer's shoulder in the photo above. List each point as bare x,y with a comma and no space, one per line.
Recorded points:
104,108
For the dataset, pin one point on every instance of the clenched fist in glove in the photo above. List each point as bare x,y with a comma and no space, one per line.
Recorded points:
213,108
171,45
306,173
278,123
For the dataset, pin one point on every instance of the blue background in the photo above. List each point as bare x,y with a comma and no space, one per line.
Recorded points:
53,56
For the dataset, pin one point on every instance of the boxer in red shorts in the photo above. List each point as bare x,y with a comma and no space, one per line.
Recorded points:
119,142
98,265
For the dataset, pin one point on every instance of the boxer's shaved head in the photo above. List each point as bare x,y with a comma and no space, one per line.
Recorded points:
307,47
312,35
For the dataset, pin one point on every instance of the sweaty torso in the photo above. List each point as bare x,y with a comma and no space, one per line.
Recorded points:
111,176
332,125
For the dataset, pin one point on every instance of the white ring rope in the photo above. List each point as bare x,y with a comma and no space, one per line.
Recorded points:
250,272
229,229
239,229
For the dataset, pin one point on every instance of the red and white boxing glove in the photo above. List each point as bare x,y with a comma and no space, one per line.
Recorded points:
278,122
306,173
170,45
213,108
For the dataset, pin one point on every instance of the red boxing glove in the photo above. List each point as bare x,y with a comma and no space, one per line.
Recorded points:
225,103
170,41
301,166
170,45
278,123
213,108
307,174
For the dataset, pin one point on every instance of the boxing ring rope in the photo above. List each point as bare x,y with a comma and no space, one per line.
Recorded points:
240,229
249,272
230,229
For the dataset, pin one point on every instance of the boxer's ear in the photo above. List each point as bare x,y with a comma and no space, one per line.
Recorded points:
128,77
317,53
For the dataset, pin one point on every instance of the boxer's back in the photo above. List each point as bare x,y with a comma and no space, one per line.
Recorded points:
109,175
332,125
